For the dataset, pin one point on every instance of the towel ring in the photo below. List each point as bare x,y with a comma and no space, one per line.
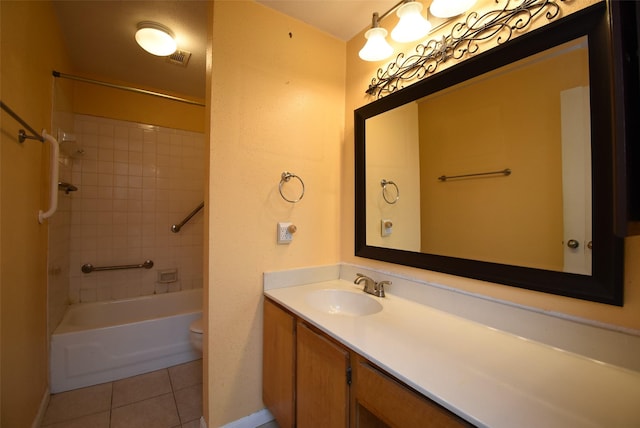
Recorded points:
285,177
384,183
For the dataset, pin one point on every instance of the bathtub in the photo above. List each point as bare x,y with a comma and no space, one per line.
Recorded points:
105,341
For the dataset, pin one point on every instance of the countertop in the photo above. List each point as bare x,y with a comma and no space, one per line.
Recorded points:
489,377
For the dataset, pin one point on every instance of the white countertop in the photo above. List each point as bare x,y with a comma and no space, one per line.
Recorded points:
489,377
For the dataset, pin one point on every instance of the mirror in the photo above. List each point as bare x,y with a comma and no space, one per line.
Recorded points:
499,168
525,181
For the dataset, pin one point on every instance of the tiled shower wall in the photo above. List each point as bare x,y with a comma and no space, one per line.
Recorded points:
134,181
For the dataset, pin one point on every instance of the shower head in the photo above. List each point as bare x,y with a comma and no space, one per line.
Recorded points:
71,148
65,136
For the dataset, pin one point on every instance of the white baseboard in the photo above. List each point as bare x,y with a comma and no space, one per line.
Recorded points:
252,421
44,403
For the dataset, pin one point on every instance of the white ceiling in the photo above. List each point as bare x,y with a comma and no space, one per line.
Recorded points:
340,18
99,36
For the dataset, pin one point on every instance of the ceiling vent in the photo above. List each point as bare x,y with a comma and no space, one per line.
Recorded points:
179,57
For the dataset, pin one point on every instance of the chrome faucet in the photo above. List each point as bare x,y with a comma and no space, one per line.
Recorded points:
380,288
370,286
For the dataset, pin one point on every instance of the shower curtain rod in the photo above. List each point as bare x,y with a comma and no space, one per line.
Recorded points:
126,88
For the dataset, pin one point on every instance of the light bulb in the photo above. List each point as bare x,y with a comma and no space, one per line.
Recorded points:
155,39
376,48
450,8
412,24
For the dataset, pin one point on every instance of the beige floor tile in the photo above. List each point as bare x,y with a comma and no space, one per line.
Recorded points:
157,412
192,424
189,402
187,374
97,420
70,405
141,387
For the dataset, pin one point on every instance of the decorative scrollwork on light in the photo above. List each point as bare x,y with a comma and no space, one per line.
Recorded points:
464,39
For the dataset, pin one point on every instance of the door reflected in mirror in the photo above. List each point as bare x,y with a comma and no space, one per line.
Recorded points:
494,169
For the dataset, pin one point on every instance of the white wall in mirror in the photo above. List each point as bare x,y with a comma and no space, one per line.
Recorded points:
393,154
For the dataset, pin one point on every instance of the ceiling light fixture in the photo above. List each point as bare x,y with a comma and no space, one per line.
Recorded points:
155,38
411,26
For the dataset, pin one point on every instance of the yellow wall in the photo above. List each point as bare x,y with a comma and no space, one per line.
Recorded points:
359,74
491,218
31,48
277,105
114,103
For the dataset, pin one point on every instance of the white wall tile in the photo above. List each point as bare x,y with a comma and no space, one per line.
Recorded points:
135,181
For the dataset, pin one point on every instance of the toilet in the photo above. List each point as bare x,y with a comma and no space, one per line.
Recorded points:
195,334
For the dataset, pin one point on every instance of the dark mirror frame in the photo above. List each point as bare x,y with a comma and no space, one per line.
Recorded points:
605,285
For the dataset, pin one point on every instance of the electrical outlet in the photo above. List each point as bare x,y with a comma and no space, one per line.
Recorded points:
386,227
285,235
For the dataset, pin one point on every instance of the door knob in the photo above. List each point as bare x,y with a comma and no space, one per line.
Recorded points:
572,243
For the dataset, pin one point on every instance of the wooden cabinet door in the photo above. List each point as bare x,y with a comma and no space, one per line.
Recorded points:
278,364
322,398
381,401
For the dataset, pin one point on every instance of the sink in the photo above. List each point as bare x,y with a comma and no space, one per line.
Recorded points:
343,302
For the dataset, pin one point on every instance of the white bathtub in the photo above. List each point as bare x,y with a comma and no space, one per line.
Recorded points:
105,341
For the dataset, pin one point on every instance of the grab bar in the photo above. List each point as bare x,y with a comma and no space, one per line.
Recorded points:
88,267
176,227
505,171
53,180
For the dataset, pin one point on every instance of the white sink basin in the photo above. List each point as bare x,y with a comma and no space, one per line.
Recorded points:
343,302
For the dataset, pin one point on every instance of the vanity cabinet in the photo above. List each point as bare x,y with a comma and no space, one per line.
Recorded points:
381,401
322,376
310,380
278,363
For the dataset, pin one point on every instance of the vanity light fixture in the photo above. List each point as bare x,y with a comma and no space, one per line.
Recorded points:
155,38
411,26
450,8
376,48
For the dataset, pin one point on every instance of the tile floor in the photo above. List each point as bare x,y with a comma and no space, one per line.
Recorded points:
167,398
